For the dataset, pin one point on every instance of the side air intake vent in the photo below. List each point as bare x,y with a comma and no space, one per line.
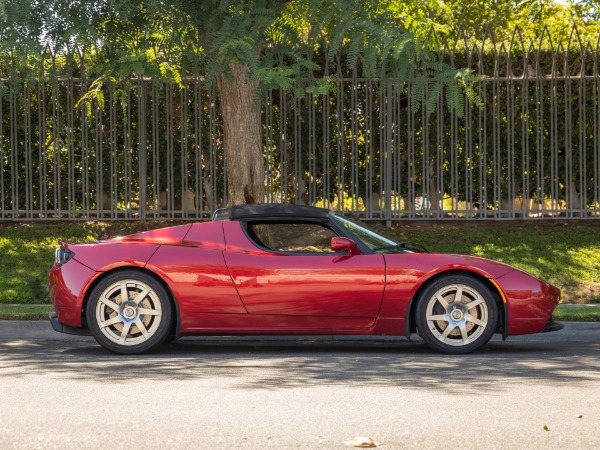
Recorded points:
62,255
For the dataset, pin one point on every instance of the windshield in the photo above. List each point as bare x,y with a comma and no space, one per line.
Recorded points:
371,239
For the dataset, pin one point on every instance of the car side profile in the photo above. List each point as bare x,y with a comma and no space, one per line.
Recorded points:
287,269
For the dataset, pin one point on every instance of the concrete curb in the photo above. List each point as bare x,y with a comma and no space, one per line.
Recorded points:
585,305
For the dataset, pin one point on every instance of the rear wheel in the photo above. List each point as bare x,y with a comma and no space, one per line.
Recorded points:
129,312
456,314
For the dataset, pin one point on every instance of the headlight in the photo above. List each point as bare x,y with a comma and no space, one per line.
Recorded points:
62,255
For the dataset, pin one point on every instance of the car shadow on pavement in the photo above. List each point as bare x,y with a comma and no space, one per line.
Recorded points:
280,365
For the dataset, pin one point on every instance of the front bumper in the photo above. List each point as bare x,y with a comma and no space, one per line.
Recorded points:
66,328
529,303
553,326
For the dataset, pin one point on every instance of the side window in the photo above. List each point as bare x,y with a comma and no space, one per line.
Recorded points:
292,237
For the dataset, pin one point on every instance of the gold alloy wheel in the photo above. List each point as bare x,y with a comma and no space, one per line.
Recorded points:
457,315
128,312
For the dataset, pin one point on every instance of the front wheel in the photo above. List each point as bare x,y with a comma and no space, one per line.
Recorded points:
456,314
129,312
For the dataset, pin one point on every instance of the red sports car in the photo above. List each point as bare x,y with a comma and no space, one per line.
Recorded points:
287,269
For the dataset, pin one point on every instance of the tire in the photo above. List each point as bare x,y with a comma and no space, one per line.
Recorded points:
136,325
451,326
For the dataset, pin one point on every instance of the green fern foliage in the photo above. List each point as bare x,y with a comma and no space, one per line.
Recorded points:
297,46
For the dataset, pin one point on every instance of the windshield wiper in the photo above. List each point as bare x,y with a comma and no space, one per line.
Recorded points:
412,246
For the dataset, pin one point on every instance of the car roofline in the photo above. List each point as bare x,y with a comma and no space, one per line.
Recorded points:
272,211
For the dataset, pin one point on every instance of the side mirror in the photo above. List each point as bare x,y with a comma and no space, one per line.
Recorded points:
341,244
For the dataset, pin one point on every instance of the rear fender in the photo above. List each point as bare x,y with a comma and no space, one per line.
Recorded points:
106,256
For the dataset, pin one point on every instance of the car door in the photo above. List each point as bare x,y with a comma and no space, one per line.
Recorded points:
289,270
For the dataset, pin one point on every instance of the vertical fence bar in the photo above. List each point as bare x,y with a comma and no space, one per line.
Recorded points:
198,166
539,103
496,179
14,162
468,161
70,94
555,131
410,150
326,119
114,186
212,150
596,127
300,185
28,149
268,161
388,146
582,138
142,145
85,154
312,149
483,142
568,137
340,136
354,118
2,150
99,160
370,205
156,179
525,141
183,136
511,118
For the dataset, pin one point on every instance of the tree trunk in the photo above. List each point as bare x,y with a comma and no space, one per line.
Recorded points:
242,136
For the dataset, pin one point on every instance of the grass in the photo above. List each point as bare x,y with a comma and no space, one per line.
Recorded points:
25,312
566,313
565,253
584,313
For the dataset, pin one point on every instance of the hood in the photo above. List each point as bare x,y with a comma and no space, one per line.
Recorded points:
438,262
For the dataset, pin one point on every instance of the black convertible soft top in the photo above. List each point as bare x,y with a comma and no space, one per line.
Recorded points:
274,211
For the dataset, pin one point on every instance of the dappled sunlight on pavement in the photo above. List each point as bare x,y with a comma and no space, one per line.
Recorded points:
294,393
260,365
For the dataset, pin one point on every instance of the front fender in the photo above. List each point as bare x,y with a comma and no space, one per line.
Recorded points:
407,273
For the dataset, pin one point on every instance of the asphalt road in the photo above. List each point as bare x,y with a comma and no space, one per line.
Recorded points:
227,393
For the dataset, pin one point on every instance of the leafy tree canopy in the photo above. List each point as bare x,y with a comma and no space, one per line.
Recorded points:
297,45
478,19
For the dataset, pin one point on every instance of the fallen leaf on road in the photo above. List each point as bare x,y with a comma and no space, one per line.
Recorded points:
362,441
546,428
429,370
579,416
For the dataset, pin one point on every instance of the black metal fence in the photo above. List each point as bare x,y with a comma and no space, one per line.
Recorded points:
144,149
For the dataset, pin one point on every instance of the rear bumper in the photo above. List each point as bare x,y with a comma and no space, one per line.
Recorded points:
66,328
553,326
67,285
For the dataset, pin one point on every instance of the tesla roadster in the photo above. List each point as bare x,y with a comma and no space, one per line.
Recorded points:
287,269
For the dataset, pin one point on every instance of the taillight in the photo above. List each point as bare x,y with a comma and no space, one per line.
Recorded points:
62,255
